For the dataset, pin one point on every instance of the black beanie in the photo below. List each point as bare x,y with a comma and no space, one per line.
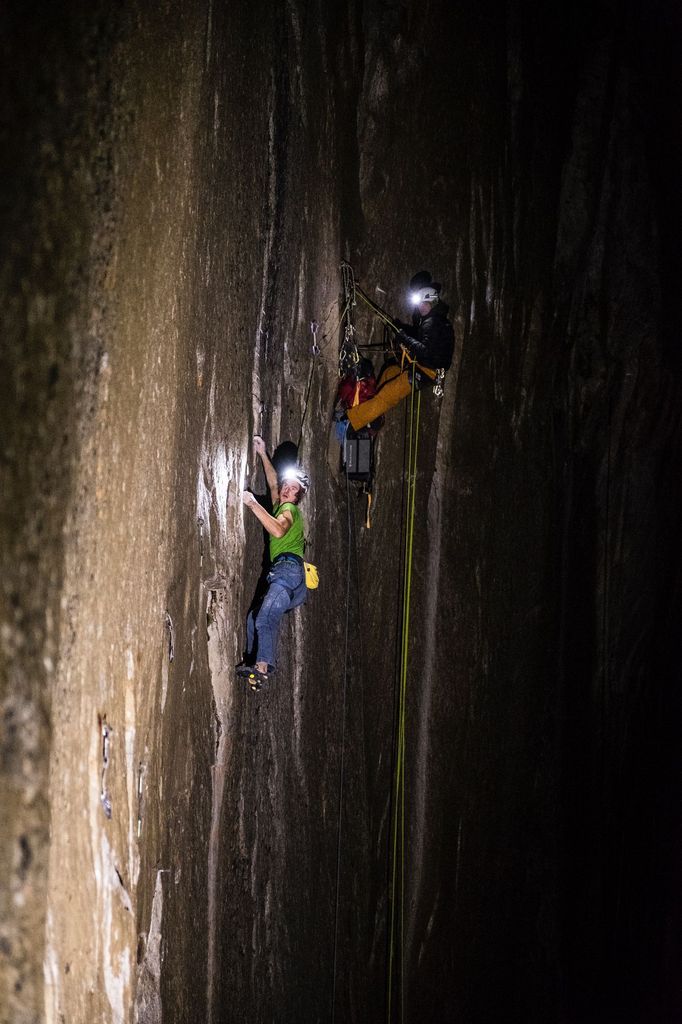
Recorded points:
420,280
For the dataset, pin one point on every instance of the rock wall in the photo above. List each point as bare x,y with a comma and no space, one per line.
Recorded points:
179,186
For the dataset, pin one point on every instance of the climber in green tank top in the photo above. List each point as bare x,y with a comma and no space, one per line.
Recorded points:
293,540
286,588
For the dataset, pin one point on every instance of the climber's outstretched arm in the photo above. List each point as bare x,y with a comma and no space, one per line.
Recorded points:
270,471
276,527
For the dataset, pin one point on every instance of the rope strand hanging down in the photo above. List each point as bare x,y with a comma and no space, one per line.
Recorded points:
397,914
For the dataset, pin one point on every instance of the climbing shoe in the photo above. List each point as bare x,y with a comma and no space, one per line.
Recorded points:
256,680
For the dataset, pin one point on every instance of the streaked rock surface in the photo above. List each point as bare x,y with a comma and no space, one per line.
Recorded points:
179,184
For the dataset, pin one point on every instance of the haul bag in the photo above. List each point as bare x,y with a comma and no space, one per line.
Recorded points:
357,456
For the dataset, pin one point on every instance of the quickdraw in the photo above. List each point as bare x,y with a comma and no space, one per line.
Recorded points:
314,328
348,355
315,351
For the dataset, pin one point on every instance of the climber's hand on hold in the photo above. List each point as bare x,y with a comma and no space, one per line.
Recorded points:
248,498
405,340
270,471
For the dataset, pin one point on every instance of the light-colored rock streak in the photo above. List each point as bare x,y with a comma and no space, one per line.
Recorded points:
257,400
51,972
219,658
148,995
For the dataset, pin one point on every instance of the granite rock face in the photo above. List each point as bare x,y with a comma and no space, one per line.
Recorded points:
179,185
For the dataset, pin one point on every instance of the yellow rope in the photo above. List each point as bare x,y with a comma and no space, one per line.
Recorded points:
399,781
377,310
352,290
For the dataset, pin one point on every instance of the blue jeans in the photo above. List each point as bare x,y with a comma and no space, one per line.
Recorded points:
286,591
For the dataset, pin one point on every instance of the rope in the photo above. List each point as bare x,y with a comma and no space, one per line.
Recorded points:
342,759
315,350
377,310
349,355
398,815
606,581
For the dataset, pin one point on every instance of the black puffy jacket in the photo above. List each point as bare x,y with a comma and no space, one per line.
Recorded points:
431,340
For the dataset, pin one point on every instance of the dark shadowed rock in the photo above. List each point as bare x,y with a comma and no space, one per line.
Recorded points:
179,186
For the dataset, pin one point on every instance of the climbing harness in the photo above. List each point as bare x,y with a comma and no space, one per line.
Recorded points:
438,387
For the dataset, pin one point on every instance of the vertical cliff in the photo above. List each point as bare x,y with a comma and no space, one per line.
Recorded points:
180,184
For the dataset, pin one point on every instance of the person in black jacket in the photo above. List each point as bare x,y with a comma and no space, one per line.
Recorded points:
428,343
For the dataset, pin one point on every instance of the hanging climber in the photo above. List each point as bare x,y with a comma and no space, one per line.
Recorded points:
286,585
427,347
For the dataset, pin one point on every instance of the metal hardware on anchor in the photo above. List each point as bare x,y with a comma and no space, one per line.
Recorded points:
314,327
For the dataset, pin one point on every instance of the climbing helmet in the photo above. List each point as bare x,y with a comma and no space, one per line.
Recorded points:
427,294
296,475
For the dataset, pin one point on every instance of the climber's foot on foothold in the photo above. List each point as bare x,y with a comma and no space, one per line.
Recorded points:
254,677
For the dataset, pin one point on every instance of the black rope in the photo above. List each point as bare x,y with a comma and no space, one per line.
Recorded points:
343,748
606,582
305,404
315,351
377,310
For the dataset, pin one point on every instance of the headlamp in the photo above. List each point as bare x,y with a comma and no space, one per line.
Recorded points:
296,475
428,294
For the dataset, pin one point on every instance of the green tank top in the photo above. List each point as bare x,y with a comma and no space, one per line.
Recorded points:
292,542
